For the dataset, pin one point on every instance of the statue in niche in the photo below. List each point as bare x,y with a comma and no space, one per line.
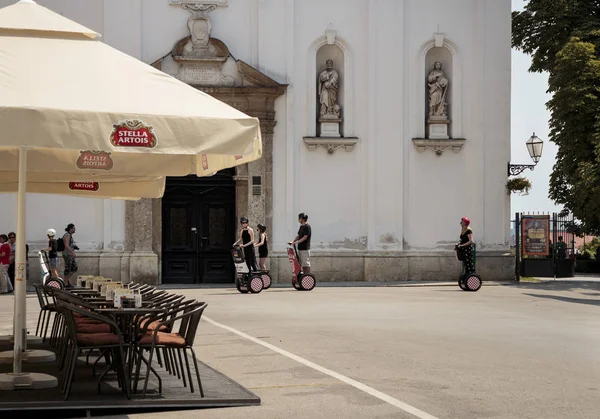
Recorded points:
438,87
200,26
328,89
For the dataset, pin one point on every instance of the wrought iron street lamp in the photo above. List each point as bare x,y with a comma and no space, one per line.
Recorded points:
534,147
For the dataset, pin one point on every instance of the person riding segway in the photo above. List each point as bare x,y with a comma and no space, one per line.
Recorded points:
49,262
263,254
247,278
299,256
469,280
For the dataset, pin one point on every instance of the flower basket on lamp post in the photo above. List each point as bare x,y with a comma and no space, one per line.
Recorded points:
519,184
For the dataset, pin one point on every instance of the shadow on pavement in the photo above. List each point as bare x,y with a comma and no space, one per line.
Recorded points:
557,285
567,299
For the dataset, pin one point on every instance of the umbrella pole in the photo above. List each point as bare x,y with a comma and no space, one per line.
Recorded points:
18,379
20,286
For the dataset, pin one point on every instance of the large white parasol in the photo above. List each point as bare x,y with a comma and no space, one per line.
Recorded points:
127,189
83,111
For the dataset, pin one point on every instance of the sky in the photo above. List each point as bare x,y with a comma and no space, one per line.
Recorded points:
529,115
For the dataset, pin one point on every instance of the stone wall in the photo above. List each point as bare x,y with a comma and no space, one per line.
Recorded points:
328,267
386,267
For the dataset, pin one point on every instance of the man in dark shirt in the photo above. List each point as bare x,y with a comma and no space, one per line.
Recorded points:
303,242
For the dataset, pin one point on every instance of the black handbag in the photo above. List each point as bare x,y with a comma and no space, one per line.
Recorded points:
460,253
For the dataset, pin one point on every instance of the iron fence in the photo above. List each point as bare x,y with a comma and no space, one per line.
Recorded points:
543,244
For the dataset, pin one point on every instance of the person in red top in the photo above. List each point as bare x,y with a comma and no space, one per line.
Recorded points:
5,248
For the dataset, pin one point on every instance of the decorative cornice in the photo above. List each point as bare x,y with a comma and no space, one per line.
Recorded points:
221,3
245,91
438,146
331,144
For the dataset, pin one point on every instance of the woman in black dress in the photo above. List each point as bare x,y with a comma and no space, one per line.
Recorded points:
263,247
247,240
467,246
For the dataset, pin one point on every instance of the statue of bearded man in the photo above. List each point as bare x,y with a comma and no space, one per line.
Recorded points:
328,89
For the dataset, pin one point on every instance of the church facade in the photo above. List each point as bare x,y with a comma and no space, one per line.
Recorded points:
385,121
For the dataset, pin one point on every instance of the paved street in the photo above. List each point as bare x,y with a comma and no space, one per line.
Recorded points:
508,351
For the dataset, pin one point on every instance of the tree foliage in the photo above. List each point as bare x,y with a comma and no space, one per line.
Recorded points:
563,38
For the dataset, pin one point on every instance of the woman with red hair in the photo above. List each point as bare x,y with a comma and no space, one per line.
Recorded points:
467,246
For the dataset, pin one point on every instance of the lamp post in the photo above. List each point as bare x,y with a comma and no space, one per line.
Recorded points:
534,147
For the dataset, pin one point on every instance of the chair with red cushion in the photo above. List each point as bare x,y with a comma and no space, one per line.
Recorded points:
111,342
153,321
188,317
87,325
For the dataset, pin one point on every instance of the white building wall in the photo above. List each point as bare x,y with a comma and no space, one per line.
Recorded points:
384,195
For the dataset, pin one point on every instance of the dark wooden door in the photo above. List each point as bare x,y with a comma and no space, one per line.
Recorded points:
198,230
180,242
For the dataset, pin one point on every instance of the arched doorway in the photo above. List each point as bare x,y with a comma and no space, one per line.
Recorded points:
198,229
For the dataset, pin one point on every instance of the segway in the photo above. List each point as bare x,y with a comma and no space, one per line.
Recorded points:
265,275
246,281
468,282
300,280
47,278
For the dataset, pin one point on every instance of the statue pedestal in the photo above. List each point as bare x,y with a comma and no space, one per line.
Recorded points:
330,127
437,128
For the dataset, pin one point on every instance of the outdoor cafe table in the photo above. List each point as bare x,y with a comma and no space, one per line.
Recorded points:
83,291
124,317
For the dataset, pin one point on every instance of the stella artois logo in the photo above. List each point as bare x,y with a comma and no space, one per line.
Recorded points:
96,160
133,133
84,186
205,162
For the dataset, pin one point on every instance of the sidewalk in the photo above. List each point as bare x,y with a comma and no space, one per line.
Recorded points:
341,284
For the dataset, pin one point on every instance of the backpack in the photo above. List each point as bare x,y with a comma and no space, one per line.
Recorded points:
60,243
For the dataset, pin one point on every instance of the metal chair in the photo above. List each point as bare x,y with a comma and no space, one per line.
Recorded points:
188,316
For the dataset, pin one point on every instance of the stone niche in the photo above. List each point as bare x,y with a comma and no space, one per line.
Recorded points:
440,100
330,125
440,128
328,82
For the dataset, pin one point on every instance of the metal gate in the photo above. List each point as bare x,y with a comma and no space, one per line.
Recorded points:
544,245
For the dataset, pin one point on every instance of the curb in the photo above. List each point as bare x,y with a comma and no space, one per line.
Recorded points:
405,284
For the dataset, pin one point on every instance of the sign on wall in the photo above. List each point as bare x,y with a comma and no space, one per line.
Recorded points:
535,231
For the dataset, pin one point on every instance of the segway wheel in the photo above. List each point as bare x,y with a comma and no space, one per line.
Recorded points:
255,283
307,282
55,283
238,285
473,282
266,280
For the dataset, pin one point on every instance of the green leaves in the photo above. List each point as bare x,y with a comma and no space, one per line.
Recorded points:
563,37
518,184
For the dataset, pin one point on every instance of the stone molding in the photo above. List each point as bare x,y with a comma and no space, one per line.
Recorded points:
221,3
331,144
438,146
